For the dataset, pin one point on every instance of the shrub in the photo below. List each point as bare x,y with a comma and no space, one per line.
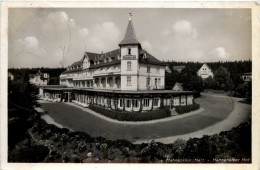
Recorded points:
36,153
131,116
188,108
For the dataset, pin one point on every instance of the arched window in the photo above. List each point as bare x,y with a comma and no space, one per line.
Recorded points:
129,65
129,51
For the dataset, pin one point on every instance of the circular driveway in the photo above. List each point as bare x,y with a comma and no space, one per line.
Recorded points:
216,109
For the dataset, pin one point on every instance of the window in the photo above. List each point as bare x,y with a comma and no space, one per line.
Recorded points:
129,51
135,103
129,64
148,69
146,102
120,102
147,82
183,100
159,82
156,102
155,81
128,81
128,103
157,69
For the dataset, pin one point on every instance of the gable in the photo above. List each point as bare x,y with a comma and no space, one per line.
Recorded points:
205,67
177,87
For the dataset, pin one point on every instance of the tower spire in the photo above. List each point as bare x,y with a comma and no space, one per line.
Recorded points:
130,37
130,15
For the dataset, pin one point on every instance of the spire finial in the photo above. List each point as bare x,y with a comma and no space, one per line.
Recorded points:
130,15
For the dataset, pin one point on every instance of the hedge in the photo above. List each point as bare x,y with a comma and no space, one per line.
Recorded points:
131,116
188,108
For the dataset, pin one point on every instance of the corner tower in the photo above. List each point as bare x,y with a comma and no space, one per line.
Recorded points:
129,49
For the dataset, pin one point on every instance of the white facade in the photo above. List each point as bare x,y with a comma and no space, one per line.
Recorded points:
247,77
205,72
129,68
39,78
10,76
128,79
151,77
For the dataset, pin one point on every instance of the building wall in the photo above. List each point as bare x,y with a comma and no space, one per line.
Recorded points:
189,99
204,72
133,85
134,50
38,81
138,72
156,72
247,77
125,72
86,63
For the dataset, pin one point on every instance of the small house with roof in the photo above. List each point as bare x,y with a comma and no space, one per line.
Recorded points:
39,78
177,87
246,77
205,71
10,76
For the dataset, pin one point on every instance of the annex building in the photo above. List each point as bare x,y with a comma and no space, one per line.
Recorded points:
127,79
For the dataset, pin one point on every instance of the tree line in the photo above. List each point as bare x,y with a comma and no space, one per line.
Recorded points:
22,74
227,77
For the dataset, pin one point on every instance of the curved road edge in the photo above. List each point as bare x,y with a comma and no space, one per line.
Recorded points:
237,116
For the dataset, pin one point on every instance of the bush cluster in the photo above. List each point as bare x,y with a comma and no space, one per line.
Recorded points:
188,108
131,116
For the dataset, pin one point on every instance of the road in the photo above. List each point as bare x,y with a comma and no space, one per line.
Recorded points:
216,108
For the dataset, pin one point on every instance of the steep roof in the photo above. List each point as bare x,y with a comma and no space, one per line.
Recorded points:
77,63
96,57
130,37
111,54
91,55
177,87
149,59
206,66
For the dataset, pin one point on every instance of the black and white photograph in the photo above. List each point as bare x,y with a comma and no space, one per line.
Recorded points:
129,85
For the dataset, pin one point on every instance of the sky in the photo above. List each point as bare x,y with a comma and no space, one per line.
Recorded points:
40,37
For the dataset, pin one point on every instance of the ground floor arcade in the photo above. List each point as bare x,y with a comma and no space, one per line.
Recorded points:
135,101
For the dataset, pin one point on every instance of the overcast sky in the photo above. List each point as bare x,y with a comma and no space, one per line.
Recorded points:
37,37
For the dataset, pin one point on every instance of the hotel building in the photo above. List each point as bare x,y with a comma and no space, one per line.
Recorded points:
127,79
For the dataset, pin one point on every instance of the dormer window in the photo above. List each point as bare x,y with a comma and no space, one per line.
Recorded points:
129,51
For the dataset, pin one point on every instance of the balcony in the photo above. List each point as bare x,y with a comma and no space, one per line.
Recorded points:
107,71
129,57
109,83
67,76
83,77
